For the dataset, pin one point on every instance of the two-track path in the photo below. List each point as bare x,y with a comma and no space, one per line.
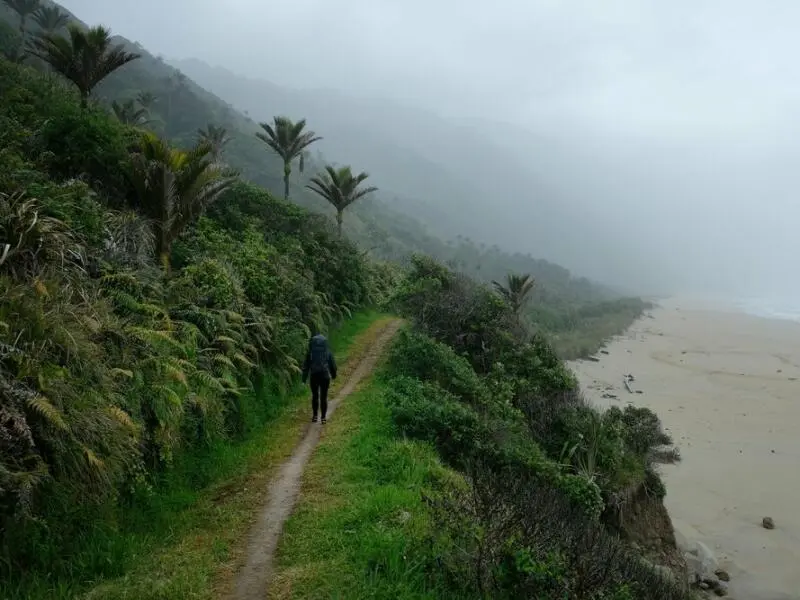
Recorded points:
254,577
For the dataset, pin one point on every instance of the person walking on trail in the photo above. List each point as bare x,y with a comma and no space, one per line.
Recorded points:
320,367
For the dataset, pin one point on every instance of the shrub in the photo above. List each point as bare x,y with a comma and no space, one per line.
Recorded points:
417,355
110,368
86,144
517,537
32,242
427,412
455,310
61,397
209,283
642,429
542,466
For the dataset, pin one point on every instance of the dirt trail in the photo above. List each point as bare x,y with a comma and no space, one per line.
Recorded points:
254,577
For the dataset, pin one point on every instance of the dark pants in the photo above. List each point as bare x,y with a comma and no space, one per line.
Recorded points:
319,393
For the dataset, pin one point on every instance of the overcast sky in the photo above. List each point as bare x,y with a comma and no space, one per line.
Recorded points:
677,68
714,82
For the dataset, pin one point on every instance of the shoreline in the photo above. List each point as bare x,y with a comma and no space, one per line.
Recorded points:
724,385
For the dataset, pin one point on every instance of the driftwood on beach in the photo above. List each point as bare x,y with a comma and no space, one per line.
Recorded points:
627,381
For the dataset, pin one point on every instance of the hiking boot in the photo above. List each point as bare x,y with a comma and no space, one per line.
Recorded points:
314,419
324,420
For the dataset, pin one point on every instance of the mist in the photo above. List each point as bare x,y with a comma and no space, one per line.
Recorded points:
646,144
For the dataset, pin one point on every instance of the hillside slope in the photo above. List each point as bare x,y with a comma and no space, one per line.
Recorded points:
130,377
434,166
472,468
576,311
151,338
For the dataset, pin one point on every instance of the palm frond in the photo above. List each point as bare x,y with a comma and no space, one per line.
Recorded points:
51,18
174,187
128,113
84,57
216,137
287,138
340,188
516,290
24,9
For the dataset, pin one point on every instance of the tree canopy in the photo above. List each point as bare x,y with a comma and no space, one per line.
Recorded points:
289,141
174,187
341,188
50,19
85,57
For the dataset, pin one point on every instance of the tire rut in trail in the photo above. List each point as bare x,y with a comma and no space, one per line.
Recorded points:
254,577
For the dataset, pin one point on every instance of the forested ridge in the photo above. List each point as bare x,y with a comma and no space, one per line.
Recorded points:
163,261
579,313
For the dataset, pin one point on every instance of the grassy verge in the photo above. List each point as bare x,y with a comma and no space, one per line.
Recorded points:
594,332
359,527
175,541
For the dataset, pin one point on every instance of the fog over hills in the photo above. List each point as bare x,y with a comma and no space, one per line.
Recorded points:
638,143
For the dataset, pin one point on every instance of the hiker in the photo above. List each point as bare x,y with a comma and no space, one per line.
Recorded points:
321,367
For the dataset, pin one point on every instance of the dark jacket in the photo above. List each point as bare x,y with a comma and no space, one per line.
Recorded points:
329,368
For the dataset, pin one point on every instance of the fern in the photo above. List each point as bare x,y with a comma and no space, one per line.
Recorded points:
176,374
234,317
242,360
52,415
124,302
156,337
116,372
225,341
223,360
206,380
94,461
122,417
167,404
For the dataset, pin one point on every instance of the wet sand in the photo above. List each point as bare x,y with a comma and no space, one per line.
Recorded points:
727,388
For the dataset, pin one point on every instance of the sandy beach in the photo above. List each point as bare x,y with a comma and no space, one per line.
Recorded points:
727,388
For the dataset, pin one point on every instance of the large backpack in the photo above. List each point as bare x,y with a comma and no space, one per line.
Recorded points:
318,349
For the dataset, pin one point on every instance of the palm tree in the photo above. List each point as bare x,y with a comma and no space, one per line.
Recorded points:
51,19
16,55
515,291
174,187
289,141
83,57
340,188
216,137
175,84
146,99
24,9
128,113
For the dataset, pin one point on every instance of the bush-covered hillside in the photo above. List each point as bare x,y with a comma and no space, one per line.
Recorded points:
112,365
156,299
550,483
577,313
471,467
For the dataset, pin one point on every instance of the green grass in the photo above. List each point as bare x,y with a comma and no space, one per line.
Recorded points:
359,529
592,335
180,540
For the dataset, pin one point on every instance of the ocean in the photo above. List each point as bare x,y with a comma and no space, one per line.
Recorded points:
771,308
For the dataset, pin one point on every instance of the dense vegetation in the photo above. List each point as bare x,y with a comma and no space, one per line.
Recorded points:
546,476
133,330
155,299
577,314
472,468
